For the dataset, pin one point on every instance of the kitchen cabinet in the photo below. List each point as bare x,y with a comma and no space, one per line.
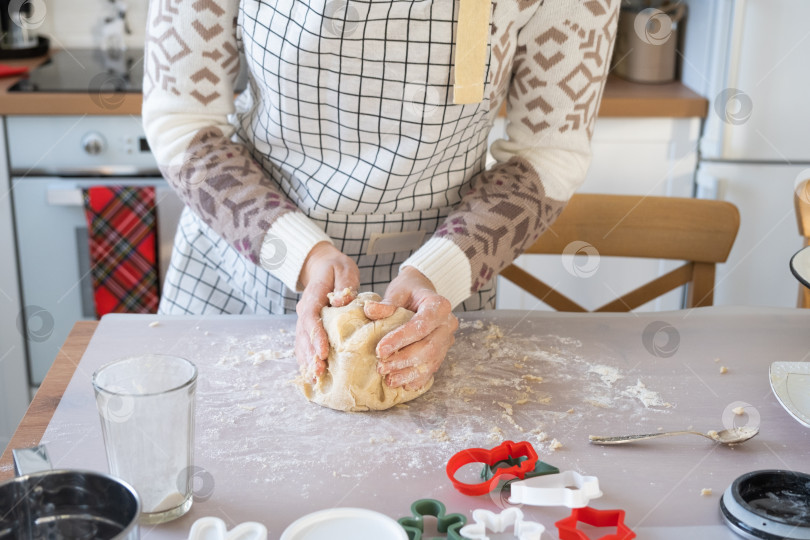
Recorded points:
631,156
13,377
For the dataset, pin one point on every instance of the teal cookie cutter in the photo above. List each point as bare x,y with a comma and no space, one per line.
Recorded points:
450,524
540,469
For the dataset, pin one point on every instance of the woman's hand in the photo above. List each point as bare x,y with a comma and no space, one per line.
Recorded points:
412,353
325,270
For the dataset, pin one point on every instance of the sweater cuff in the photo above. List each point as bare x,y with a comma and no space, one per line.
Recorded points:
286,245
446,266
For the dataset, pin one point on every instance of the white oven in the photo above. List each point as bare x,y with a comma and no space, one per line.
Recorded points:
52,160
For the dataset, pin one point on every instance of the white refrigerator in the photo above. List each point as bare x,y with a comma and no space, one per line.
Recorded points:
751,58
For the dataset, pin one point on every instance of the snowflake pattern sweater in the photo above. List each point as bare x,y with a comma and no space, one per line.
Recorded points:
349,109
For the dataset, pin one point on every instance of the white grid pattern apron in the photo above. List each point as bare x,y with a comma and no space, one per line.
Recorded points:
350,111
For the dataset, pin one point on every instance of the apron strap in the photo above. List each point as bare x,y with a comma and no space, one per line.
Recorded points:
471,50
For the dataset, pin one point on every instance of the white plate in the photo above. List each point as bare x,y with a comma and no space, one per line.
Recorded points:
345,524
790,382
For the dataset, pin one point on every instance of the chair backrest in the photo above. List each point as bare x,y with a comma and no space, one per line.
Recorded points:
700,232
801,200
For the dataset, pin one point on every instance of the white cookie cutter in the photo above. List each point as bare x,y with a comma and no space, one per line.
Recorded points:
213,528
568,488
511,517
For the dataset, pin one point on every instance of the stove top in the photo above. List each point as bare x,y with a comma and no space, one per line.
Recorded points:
83,70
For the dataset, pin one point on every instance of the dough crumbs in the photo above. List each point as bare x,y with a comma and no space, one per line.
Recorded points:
506,407
246,407
478,325
522,400
206,333
545,400
713,435
532,378
738,410
514,424
494,334
439,435
706,492
467,391
555,444
419,430
540,436
660,429
335,294
260,357
518,365
723,370
570,411
496,435
154,324
600,401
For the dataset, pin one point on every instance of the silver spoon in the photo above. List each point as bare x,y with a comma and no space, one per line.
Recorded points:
727,436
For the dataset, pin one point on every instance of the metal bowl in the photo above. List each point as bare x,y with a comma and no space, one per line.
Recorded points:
68,504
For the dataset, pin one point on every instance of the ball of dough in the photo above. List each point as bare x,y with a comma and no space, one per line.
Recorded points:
350,381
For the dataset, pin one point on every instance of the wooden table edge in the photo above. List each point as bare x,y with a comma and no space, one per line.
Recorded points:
36,419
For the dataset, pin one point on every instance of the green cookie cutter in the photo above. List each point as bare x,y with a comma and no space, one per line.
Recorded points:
446,523
541,469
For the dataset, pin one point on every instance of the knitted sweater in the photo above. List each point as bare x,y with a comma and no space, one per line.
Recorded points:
349,109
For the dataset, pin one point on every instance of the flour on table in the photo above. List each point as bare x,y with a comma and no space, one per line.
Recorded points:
648,397
480,398
258,357
608,374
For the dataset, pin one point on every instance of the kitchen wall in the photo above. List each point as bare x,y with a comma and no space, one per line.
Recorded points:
78,23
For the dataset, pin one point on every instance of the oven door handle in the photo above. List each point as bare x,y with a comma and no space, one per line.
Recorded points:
64,197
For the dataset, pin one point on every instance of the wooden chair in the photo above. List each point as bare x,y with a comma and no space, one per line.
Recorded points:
700,232
801,200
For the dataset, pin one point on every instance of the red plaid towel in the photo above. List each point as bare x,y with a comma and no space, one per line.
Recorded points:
123,250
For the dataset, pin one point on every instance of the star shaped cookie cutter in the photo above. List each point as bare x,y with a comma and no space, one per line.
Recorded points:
414,524
511,517
568,488
504,452
567,528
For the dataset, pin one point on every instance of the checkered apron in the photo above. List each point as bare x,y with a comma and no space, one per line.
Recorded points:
349,110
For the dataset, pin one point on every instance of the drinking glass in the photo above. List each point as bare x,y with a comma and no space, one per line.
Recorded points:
146,406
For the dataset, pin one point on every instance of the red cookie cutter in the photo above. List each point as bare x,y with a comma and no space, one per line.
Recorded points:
598,518
505,451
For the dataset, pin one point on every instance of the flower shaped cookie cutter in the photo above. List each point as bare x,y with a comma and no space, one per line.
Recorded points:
213,528
569,488
511,517
445,523
567,527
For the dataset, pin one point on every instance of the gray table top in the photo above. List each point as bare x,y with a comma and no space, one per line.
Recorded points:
266,454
